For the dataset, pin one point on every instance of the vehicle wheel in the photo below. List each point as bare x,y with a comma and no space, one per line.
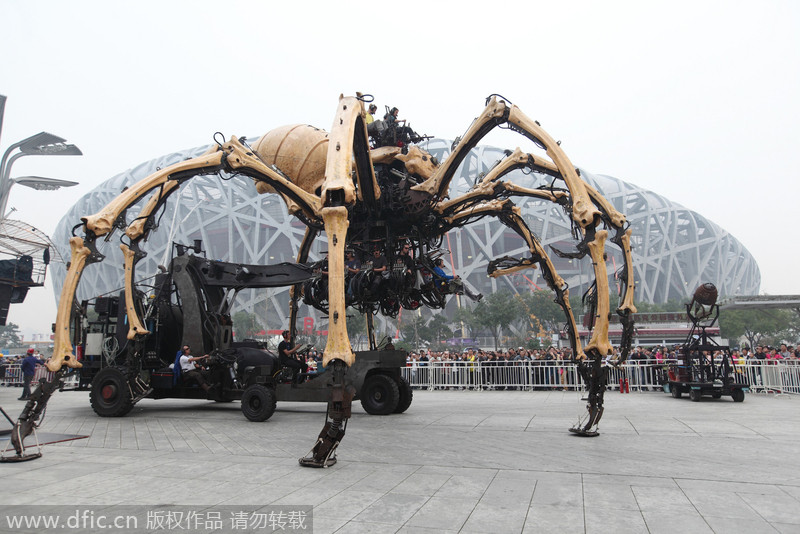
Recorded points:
110,395
738,395
676,392
406,395
695,395
380,395
258,403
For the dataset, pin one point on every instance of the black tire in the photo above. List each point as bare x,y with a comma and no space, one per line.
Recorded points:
406,395
695,395
258,403
676,392
380,395
110,395
738,395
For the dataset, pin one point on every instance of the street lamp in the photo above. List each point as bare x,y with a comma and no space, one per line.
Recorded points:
41,144
41,183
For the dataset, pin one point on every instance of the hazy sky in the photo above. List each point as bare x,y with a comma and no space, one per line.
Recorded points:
697,101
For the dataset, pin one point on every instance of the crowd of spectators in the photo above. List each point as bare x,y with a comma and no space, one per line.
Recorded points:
548,368
508,355
655,354
16,359
495,369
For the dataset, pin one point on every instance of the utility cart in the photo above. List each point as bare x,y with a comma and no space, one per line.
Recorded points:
704,367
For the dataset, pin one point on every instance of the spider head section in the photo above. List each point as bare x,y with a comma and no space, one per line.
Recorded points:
419,162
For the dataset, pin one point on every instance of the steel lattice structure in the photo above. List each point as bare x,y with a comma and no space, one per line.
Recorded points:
674,249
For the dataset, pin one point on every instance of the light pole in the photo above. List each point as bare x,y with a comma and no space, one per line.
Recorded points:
2,111
41,144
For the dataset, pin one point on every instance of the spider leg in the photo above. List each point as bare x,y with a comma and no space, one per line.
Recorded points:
510,215
62,345
478,201
588,207
348,159
497,113
233,156
294,293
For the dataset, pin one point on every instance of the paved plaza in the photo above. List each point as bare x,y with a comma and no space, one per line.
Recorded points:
457,461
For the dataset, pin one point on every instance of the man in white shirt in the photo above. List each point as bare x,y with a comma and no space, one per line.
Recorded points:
192,371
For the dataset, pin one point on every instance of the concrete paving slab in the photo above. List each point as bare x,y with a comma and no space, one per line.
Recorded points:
610,496
547,518
667,522
737,525
601,520
443,513
421,484
457,461
393,508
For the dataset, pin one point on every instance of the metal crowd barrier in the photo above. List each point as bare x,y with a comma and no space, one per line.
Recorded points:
493,375
763,377
13,376
782,377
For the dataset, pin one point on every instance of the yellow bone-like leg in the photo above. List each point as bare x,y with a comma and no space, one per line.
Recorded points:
62,346
102,222
135,326
439,183
627,298
241,158
617,219
136,229
517,223
488,187
583,211
348,128
338,346
599,341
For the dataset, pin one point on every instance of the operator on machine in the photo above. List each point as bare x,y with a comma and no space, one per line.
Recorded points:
286,358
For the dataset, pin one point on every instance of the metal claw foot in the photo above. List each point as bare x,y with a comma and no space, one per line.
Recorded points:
584,433
589,429
18,458
29,419
595,376
17,437
323,454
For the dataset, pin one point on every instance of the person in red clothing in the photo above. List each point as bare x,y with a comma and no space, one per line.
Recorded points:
773,356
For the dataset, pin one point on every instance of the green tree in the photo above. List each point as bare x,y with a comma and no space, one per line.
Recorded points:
669,306
496,312
438,329
245,325
465,317
405,346
9,336
758,326
412,328
541,304
356,327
